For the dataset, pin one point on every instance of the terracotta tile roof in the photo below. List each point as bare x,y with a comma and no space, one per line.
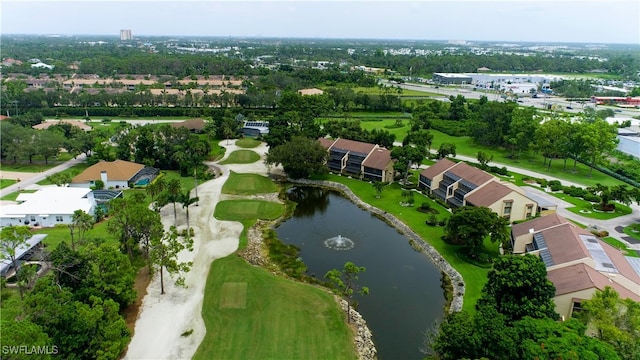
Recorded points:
538,224
470,173
564,243
326,143
378,159
488,194
312,91
191,124
438,168
47,124
578,277
355,146
116,170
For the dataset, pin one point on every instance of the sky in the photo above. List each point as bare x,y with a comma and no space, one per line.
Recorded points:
586,21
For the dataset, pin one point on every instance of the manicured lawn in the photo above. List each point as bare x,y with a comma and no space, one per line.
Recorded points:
585,208
56,235
629,231
240,210
474,277
248,184
250,313
242,157
72,171
620,245
26,167
6,182
14,195
248,143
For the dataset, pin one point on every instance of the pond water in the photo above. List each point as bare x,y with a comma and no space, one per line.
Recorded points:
405,297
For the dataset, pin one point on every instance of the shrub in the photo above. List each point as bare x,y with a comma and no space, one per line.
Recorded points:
574,191
432,220
591,197
542,182
425,206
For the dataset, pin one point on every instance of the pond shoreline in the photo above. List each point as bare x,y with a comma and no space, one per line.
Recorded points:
454,276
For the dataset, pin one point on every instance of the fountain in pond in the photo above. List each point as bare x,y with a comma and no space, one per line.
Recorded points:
339,243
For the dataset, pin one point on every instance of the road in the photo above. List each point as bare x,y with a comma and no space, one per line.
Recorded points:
23,184
541,102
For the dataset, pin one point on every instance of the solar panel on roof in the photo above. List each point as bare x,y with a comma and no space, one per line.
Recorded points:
545,255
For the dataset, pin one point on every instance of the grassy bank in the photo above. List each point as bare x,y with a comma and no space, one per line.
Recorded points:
241,157
250,313
248,184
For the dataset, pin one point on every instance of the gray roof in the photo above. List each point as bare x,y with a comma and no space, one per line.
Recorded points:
20,251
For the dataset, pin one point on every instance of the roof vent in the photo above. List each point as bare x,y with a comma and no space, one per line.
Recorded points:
531,231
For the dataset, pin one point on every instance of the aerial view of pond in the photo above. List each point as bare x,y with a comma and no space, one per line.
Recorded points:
405,295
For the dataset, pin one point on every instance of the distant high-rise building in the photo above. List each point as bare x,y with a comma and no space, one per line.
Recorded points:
126,35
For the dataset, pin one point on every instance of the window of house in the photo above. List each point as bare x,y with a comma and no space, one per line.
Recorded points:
59,218
450,191
529,211
506,211
32,218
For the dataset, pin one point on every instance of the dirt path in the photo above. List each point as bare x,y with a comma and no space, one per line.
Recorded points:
163,318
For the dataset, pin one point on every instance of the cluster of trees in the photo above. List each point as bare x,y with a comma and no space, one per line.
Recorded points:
21,143
78,307
515,319
165,147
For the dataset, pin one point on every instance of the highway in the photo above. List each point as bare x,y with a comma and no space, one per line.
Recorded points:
561,104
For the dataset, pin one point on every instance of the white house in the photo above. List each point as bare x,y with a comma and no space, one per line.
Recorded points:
47,207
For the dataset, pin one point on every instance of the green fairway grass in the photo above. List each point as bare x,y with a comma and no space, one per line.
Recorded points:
629,231
241,157
280,319
248,184
474,276
247,143
241,210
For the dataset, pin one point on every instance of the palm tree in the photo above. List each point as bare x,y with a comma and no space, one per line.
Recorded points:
173,188
379,187
156,187
186,200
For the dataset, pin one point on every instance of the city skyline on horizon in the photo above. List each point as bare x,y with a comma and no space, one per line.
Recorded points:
428,20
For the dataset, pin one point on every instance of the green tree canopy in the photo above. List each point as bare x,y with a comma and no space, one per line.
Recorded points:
300,158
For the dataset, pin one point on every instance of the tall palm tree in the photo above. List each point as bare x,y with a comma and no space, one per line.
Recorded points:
155,188
173,188
186,200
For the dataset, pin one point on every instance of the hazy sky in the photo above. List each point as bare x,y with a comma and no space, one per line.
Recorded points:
602,21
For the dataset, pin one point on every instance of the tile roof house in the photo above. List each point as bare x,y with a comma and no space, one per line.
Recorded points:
578,263
47,207
359,159
195,125
49,123
117,174
460,184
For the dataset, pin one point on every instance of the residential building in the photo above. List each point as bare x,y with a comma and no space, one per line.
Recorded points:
49,123
193,125
312,91
460,184
359,159
119,174
578,263
47,207
22,253
255,128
